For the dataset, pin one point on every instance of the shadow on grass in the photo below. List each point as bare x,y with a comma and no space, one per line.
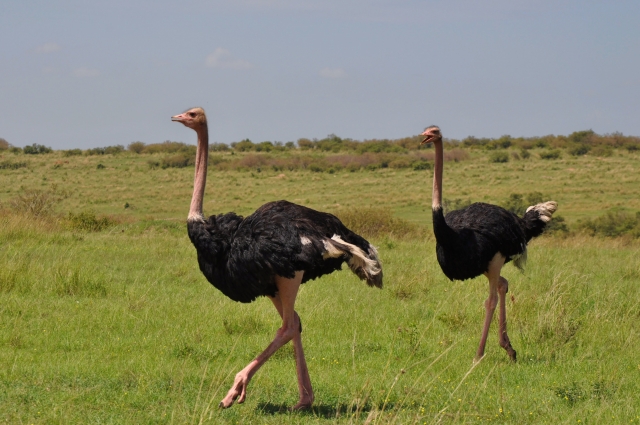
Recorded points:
327,411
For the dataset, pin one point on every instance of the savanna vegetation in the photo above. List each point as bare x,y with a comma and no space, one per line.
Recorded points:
107,319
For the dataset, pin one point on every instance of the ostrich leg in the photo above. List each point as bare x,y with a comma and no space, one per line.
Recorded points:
493,274
286,295
304,381
503,288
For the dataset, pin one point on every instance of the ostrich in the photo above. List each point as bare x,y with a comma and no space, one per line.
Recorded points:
271,252
480,239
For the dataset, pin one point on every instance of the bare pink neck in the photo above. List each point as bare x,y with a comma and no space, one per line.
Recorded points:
436,200
200,179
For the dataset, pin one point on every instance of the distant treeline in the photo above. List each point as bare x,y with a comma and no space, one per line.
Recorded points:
577,143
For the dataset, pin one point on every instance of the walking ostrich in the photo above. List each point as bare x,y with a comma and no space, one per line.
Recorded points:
480,239
271,253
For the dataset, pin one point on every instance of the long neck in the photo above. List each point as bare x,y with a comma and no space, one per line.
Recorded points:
200,179
436,199
444,234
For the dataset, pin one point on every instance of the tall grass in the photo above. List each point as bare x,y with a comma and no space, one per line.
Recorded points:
115,324
122,328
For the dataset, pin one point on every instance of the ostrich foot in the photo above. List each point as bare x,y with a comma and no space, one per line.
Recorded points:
237,392
302,405
511,352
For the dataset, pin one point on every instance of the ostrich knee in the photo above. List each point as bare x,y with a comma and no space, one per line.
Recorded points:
503,286
491,302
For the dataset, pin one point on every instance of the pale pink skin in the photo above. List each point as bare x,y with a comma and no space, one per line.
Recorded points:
283,301
498,285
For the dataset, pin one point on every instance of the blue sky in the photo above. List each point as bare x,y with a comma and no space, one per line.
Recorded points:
81,74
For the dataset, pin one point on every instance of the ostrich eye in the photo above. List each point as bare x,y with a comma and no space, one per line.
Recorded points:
192,114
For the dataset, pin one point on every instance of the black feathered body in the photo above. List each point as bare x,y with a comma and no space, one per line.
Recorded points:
467,239
241,256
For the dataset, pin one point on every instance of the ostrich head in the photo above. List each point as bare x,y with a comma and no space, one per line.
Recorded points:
431,134
193,118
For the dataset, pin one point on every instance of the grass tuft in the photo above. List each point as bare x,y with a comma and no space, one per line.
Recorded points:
35,203
377,222
87,221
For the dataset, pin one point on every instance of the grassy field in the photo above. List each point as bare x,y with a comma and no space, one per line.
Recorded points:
119,326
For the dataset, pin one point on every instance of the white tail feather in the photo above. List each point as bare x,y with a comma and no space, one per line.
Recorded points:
545,209
365,267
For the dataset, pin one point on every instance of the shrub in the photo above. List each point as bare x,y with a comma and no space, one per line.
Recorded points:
72,152
245,145
579,149
214,159
36,149
36,203
612,224
4,145
632,147
557,225
378,146
421,165
178,161
377,222
551,154
108,150
524,154
218,147
581,137
499,156
503,142
456,155
136,147
264,147
317,168
10,165
88,221
602,150
400,163
170,147
541,143
473,141
305,144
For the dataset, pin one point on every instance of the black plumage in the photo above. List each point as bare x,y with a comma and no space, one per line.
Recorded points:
467,239
241,256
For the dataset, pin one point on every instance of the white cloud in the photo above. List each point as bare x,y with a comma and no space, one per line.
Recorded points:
222,58
48,48
333,73
86,72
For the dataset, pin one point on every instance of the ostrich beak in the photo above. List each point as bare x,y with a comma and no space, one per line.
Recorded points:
427,139
178,118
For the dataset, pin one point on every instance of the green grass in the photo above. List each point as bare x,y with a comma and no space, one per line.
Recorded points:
118,325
